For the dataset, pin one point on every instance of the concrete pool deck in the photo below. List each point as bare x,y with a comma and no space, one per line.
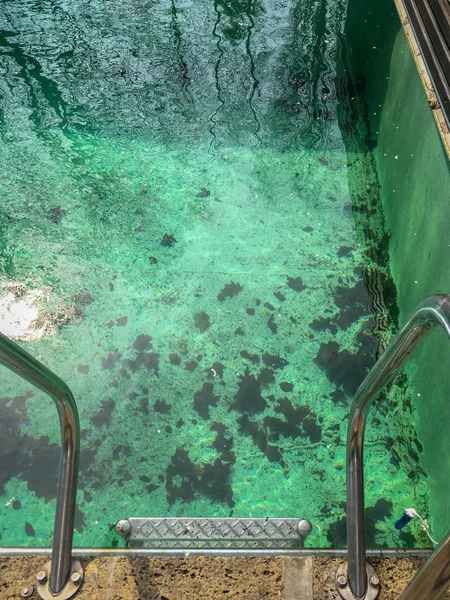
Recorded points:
198,578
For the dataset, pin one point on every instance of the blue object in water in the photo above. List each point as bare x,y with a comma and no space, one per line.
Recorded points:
403,521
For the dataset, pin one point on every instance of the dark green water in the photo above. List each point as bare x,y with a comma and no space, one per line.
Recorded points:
191,237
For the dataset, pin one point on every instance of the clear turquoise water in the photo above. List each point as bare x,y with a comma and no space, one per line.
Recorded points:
190,204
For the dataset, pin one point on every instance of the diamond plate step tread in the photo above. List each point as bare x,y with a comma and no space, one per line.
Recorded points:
215,530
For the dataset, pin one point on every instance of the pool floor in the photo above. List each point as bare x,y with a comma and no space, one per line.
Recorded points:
202,288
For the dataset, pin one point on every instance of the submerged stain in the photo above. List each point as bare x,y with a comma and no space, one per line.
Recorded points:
274,360
344,251
168,240
174,359
204,193
296,422
151,488
254,358
216,370
122,451
296,284
266,376
143,405
337,532
272,325
248,398
120,322
185,480
205,398
259,437
339,397
109,361
201,321
56,215
142,342
149,360
42,477
286,386
103,417
353,302
190,365
222,443
82,298
162,407
229,291
79,521
124,373
344,369
322,324
312,430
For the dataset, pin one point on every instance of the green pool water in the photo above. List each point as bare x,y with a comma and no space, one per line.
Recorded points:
192,238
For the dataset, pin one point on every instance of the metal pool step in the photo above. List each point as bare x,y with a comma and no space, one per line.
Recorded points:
214,533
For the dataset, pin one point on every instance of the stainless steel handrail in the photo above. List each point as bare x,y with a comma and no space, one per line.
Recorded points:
22,363
433,578
433,311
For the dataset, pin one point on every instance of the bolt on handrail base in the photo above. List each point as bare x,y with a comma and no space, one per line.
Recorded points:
72,586
344,589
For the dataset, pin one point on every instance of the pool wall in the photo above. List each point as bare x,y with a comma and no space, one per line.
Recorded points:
414,176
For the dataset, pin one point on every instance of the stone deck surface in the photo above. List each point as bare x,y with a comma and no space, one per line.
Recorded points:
212,578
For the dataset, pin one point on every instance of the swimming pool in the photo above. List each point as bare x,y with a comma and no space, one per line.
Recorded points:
194,240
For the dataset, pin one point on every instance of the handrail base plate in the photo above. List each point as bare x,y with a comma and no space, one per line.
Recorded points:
72,586
343,585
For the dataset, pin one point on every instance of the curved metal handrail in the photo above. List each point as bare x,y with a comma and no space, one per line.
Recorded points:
433,311
22,363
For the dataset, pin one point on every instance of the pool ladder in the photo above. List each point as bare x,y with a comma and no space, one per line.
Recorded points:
62,577
356,579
